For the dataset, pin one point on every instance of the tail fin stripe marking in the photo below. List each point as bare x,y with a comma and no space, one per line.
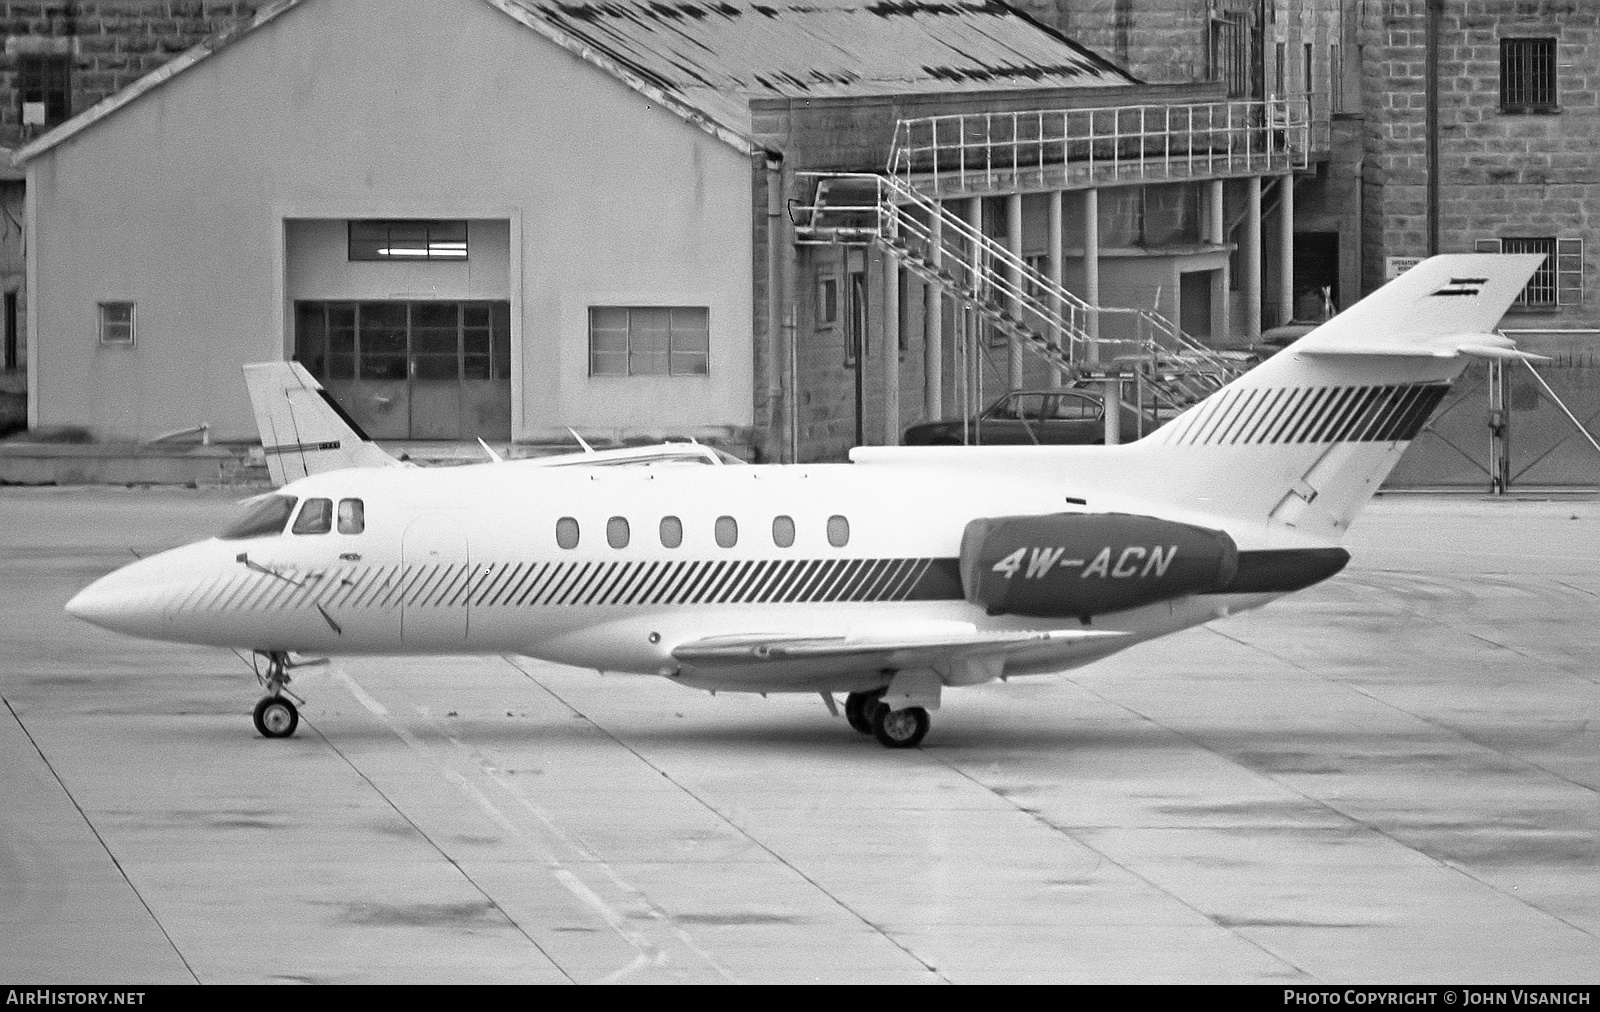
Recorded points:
1341,418
1402,408
1240,406
1335,408
1316,420
1420,412
1353,418
1297,421
1203,434
1251,424
1390,405
1201,420
1241,417
1269,416
1314,417
1290,409
1369,418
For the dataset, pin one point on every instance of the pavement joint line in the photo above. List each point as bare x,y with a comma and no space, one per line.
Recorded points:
1066,831
99,839
649,952
350,683
1441,862
887,936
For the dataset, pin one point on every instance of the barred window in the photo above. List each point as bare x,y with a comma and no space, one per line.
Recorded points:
1527,75
1558,281
44,83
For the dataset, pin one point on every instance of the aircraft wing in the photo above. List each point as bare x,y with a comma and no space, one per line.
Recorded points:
966,649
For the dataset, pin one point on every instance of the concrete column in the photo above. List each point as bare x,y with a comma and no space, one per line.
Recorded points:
933,326
891,350
975,330
1286,250
1014,273
1091,270
1250,260
1063,342
1218,223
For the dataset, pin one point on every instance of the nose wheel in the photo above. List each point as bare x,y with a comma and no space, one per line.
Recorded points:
276,717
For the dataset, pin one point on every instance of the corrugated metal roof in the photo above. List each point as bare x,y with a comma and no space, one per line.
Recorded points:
717,55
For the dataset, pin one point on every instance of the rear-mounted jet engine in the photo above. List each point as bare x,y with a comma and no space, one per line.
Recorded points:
1075,564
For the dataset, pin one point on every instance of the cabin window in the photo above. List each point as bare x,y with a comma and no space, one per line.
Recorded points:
352,516
727,531
567,532
617,532
671,532
783,531
264,515
316,517
838,531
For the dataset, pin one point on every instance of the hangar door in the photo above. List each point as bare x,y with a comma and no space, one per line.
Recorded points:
413,369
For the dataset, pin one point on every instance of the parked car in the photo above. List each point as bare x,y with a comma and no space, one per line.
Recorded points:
1023,417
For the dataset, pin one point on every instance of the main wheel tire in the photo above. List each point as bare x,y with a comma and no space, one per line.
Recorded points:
900,728
858,709
276,717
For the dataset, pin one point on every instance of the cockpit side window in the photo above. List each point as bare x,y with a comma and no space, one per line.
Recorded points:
352,516
262,516
316,517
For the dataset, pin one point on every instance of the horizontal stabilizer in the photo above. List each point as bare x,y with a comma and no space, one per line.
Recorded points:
1493,346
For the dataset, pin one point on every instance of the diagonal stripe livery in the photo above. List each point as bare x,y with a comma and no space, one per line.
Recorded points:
1335,414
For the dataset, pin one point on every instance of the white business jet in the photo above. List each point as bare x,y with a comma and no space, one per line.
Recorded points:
891,578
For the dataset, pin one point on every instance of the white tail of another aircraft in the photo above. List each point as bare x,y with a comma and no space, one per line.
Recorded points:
303,430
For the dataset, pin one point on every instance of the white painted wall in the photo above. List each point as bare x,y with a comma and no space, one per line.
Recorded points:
317,265
349,108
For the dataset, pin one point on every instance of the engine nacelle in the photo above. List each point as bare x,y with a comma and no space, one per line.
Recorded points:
1067,565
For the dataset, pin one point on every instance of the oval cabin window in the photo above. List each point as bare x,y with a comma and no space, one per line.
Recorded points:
567,532
727,532
671,532
783,531
617,532
838,531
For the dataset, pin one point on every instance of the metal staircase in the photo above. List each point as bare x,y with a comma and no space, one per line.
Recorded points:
1166,368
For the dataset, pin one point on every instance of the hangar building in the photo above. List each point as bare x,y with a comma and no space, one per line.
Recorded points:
504,218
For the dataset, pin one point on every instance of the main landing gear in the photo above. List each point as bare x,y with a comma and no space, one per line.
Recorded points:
868,714
276,715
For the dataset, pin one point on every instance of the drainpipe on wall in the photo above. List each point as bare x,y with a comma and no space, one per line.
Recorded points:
1435,8
773,438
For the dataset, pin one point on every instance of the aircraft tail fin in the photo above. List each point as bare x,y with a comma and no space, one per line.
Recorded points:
303,430
1305,438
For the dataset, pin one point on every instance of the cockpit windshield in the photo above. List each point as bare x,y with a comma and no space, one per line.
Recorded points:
262,515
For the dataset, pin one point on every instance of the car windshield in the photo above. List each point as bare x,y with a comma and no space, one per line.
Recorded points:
261,516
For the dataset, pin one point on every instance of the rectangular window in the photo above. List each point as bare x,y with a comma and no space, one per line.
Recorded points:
1558,281
116,323
433,340
827,302
407,240
45,88
1527,75
1232,43
1335,77
649,341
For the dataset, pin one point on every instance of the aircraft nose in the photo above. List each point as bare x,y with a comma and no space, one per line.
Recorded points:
128,600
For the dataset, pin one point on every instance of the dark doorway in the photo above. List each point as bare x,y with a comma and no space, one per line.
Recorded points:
1316,267
11,332
856,347
1194,303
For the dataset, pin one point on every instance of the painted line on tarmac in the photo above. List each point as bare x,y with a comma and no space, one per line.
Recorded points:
650,953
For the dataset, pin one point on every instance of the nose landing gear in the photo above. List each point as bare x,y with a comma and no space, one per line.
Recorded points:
276,715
